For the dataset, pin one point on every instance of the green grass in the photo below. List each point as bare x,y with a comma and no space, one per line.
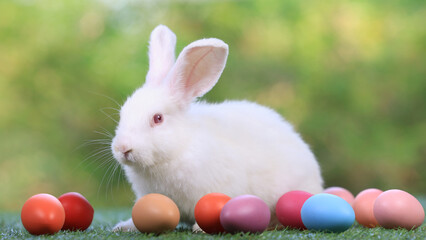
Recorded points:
11,228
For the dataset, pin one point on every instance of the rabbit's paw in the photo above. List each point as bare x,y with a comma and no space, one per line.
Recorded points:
197,229
125,226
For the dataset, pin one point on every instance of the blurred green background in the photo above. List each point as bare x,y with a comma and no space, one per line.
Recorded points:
350,75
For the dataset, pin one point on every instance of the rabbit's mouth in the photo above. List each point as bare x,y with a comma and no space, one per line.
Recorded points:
124,156
133,159
123,152
128,157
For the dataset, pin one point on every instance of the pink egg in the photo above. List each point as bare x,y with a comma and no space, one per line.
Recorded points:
363,207
340,192
396,208
246,213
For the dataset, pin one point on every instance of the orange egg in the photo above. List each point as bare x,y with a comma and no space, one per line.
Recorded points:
155,213
363,207
43,214
340,192
396,208
207,212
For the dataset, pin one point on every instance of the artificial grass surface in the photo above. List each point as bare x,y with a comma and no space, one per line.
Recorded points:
11,228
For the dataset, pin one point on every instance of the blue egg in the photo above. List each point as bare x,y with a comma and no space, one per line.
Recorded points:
327,212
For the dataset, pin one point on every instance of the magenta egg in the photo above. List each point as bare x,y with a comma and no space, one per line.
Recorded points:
246,213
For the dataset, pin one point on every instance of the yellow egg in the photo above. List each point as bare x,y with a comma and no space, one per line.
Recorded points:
363,207
155,213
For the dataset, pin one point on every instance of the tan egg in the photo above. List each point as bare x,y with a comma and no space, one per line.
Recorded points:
363,207
155,213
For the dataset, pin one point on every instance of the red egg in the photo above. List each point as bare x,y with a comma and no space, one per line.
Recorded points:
363,207
288,208
43,214
397,208
341,192
207,212
78,211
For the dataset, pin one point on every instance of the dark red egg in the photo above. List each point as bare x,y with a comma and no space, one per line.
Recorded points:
78,211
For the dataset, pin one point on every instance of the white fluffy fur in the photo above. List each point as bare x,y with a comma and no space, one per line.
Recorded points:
235,147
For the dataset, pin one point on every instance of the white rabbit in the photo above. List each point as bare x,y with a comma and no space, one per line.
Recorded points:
169,143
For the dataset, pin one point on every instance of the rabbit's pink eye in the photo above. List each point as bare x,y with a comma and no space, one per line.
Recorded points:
158,118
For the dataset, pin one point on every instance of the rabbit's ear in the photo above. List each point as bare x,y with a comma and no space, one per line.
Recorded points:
161,54
197,69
